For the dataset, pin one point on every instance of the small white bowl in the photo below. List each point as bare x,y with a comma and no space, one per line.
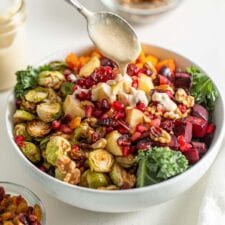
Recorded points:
122,200
140,15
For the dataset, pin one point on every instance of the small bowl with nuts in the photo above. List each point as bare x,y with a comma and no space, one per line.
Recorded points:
141,11
19,205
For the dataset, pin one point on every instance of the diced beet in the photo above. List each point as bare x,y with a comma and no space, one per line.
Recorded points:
184,129
192,156
144,144
199,126
174,143
200,111
182,80
200,146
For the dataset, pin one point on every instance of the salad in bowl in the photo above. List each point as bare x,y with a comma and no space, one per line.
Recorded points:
79,120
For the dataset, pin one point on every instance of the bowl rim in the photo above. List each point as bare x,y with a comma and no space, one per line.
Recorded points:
30,193
162,184
113,4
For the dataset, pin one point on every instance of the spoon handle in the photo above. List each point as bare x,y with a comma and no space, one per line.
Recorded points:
80,8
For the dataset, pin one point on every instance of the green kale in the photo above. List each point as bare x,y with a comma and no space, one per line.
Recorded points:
158,164
26,79
203,89
67,88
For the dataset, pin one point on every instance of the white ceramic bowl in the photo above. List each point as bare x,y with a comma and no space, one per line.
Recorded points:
122,200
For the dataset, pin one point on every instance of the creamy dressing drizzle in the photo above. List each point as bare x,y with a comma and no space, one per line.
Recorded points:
115,41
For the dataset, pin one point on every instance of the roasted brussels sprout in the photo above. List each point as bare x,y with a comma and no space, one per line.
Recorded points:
126,161
48,112
52,97
94,180
100,161
59,174
22,115
28,106
37,128
21,130
57,65
31,151
99,144
36,95
56,147
83,131
43,143
51,79
121,178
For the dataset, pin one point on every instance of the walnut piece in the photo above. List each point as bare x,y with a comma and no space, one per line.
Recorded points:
68,169
159,135
182,97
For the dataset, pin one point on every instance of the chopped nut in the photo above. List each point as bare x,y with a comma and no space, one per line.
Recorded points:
155,110
160,135
182,97
68,169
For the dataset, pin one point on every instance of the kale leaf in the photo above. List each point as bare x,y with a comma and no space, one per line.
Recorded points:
203,89
25,79
158,164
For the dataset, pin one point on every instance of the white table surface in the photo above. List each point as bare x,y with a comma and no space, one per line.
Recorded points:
195,29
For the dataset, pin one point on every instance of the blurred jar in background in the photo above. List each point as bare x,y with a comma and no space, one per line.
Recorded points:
12,41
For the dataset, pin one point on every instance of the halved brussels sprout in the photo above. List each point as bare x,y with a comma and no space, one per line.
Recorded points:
56,147
83,131
57,65
121,178
52,97
99,144
36,95
28,106
31,151
126,161
94,180
43,143
37,128
51,79
21,130
100,161
22,115
59,174
48,112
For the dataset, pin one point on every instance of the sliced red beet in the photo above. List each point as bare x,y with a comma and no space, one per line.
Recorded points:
200,111
174,143
199,126
184,129
192,156
182,80
200,146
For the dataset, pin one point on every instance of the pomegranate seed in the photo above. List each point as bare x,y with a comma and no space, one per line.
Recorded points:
97,113
141,128
184,146
56,124
67,72
144,145
119,115
18,103
105,105
141,106
66,129
122,130
109,129
20,140
117,105
126,150
94,137
132,69
135,84
124,140
75,148
88,110
163,80
135,136
104,116
42,168
211,128
66,119
182,108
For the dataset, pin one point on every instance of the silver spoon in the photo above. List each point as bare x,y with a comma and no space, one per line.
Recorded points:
111,34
